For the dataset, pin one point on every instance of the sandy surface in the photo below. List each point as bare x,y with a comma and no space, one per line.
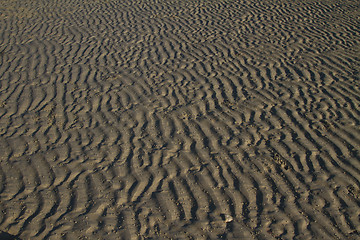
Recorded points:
178,119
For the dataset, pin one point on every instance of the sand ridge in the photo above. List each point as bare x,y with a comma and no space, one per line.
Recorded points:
169,119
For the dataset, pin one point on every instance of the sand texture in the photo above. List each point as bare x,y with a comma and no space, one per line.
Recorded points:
180,119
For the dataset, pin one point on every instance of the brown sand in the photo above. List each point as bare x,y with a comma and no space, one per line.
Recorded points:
177,119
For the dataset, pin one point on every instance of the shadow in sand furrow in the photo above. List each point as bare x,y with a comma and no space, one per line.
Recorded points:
7,236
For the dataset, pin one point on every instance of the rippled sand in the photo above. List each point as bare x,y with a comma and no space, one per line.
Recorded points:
179,119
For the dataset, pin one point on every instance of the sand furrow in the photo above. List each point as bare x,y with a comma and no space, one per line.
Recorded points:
179,119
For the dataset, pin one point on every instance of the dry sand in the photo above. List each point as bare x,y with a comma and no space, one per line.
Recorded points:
177,119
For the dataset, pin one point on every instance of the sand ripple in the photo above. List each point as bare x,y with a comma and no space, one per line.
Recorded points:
179,119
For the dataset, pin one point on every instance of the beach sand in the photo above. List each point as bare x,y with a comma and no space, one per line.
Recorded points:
179,119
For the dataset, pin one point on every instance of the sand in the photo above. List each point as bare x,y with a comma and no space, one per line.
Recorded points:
179,119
